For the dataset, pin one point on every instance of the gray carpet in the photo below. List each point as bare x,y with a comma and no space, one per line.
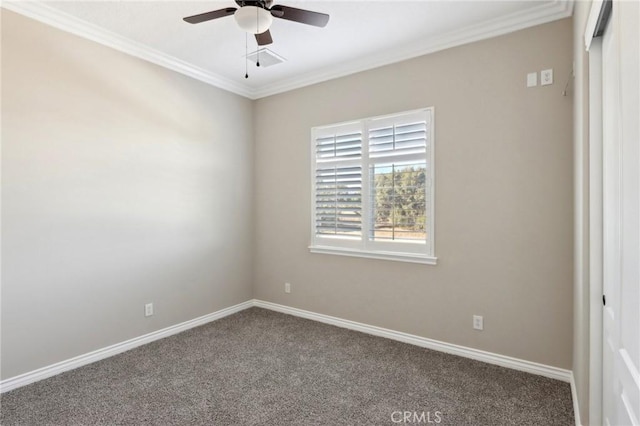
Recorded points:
259,367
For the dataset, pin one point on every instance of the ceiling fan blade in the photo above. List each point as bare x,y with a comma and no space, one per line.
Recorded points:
264,38
300,15
196,19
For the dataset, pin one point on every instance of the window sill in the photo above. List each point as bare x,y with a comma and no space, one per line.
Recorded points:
383,255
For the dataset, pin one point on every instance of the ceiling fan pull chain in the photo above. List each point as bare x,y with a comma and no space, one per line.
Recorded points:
257,26
246,56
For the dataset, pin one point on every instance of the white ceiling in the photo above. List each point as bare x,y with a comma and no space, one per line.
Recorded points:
360,34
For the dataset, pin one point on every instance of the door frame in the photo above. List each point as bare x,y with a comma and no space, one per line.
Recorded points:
595,231
596,24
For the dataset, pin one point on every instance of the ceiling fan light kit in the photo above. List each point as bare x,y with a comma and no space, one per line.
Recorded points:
252,19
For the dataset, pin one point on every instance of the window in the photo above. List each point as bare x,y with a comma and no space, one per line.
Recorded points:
373,188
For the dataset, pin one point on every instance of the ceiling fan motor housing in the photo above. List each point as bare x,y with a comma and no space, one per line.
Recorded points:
265,4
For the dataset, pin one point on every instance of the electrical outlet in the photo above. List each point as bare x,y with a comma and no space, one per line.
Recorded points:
148,309
478,322
546,77
287,287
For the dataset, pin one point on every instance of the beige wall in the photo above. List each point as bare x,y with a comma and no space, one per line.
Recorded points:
504,199
122,183
581,211
125,183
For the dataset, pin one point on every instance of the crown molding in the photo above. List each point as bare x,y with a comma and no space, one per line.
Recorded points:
69,23
541,14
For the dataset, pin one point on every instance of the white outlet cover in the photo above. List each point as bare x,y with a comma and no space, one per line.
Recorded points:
546,77
478,322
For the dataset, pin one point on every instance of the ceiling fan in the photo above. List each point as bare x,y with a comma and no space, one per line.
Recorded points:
256,16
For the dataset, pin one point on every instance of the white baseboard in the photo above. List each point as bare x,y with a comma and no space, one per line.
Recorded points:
97,355
488,357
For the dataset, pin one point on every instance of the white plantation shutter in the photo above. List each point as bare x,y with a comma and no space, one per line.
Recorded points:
339,146
399,153
338,181
339,201
397,139
372,186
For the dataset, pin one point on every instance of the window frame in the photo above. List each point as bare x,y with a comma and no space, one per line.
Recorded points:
362,246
